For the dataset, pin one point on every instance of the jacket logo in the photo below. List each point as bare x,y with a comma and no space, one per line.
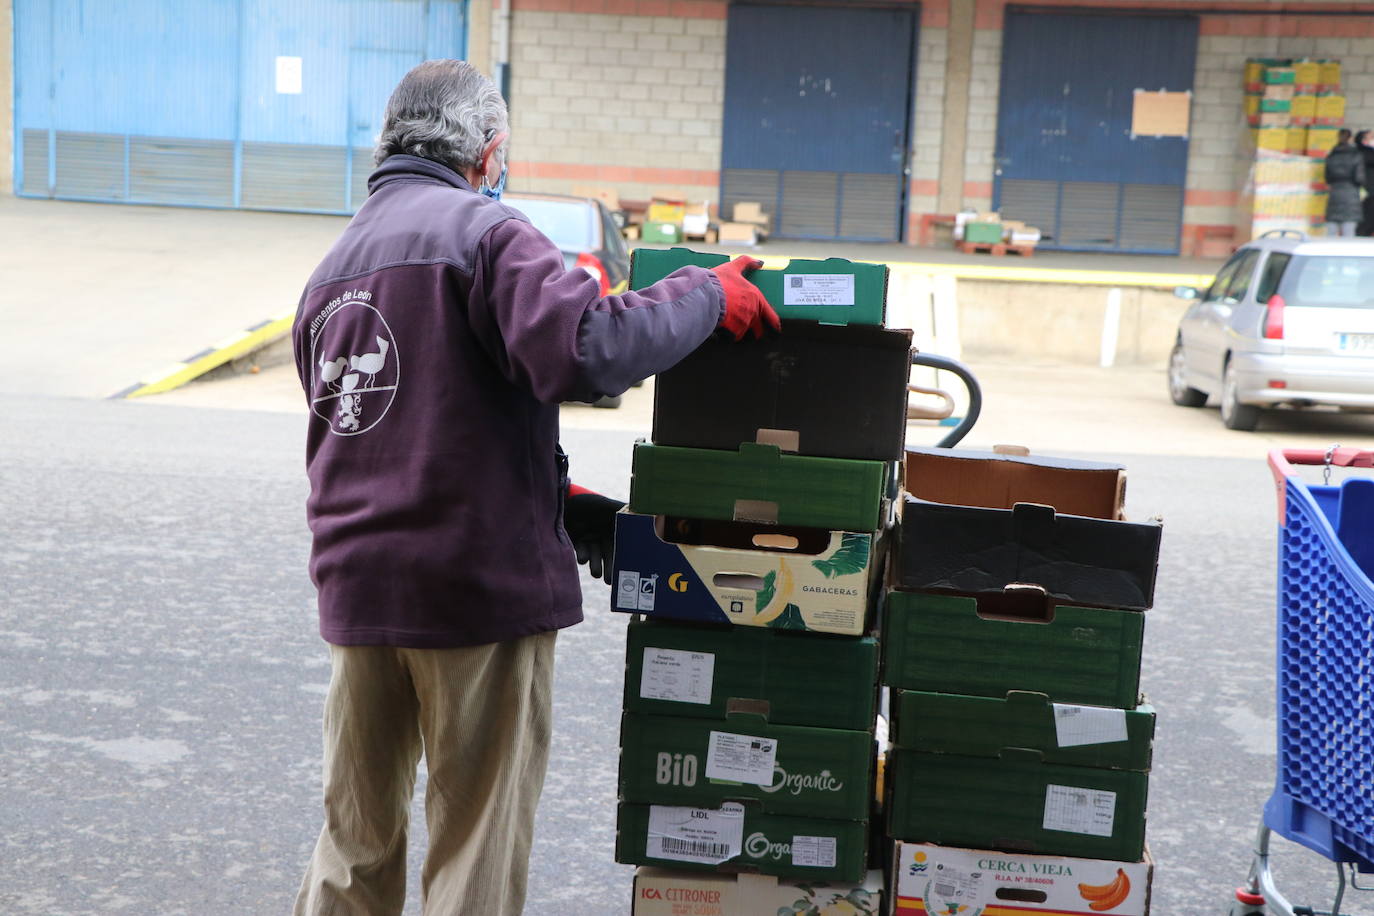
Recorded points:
354,367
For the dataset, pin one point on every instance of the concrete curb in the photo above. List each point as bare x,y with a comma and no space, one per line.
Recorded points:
212,357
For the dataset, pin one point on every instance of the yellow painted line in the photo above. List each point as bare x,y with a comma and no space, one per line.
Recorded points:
226,350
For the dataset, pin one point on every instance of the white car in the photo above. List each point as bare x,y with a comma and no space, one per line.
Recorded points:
1288,321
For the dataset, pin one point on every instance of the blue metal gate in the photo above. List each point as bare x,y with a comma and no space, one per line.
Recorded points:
219,103
1067,162
817,105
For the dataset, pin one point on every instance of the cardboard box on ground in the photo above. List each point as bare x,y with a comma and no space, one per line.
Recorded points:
931,879
990,228
660,892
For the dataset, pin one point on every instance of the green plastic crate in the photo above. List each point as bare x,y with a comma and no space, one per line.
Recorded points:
830,851
1017,803
758,481
983,233
804,678
1089,736
939,643
862,300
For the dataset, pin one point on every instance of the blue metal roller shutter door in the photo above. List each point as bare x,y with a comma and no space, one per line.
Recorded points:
1066,160
816,118
159,101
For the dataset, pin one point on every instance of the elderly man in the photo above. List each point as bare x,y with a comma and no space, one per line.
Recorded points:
435,342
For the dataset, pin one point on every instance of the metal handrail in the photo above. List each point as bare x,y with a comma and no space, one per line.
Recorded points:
975,394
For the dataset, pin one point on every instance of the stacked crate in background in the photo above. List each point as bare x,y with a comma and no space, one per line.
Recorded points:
1011,649
751,552
1295,109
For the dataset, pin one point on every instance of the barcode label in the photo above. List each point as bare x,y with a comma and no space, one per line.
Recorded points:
703,835
674,848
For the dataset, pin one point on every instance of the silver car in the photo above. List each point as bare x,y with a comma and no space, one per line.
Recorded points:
1288,321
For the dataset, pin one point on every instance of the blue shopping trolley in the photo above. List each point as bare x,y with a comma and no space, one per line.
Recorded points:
1324,791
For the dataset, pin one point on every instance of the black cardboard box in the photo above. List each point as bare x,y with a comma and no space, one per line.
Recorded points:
814,389
1079,560
975,522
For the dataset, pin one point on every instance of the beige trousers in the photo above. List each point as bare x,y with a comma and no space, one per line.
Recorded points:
481,715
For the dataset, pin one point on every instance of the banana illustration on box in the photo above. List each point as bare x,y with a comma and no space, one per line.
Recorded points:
1103,897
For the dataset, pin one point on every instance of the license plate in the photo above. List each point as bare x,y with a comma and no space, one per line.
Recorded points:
1358,342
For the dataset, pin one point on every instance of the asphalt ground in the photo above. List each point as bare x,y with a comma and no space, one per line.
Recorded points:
160,670
108,297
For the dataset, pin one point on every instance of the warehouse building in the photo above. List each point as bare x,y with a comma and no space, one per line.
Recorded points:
862,121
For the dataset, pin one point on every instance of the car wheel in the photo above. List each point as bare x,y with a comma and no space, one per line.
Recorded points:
1235,415
607,401
1179,392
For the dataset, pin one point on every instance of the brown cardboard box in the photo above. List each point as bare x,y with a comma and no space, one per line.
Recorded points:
696,220
989,877
661,892
751,212
666,210
739,233
998,481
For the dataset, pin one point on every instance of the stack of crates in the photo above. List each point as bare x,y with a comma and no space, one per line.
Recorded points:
751,553
1295,108
1011,651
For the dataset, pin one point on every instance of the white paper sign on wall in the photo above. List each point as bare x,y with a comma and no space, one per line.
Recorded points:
288,76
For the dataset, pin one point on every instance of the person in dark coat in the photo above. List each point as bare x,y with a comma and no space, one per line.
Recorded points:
1345,175
1364,142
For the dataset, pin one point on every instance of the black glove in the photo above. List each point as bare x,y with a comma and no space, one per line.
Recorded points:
589,519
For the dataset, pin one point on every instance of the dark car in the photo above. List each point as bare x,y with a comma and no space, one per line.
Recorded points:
589,238
584,231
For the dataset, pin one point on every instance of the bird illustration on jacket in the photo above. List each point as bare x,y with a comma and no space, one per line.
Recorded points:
331,369
369,364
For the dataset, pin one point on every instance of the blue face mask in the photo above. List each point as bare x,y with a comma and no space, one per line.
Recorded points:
495,192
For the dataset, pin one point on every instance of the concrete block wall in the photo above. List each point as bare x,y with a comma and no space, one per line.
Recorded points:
927,126
984,82
630,94
630,97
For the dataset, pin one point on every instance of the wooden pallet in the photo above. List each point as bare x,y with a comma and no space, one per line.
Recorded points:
997,249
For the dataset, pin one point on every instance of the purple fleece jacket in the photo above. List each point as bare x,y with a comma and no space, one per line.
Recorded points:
434,343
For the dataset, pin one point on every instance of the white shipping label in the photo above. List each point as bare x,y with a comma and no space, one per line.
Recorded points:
696,834
953,890
817,289
675,674
289,76
627,591
813,851
741,758
1079,725
1074,810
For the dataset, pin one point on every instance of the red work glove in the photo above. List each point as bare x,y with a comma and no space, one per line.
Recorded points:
745,307
589,519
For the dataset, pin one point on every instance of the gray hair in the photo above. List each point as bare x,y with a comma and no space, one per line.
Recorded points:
442,110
